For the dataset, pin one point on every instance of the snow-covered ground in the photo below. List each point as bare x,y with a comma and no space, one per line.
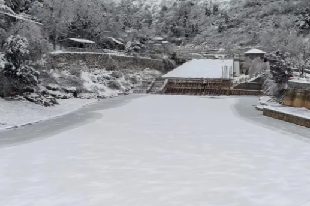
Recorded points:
18,113
298,112
269,103
160,150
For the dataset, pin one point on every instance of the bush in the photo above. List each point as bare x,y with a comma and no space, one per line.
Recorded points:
16,50
17,77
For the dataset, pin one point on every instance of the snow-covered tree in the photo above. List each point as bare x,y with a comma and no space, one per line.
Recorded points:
16,50
257,66
56,15
38,42
279,74
17,76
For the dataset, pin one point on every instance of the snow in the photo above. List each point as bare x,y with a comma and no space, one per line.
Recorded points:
85,41
203,68
116,41
300,80
159,150
9,12
158,39
298,112
255,51
98,87
90,52
19,113
268,101
2,60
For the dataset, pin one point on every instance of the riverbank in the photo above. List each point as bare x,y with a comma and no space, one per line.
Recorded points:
15,114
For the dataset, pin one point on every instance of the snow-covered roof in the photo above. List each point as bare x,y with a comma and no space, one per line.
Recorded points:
84,41
158,39
255,51
115,40
204,68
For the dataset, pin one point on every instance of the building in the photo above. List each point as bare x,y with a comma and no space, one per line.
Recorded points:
201,77
255,53
114,44
76,44
204,68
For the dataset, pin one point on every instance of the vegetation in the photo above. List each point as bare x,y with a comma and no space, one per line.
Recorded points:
274,25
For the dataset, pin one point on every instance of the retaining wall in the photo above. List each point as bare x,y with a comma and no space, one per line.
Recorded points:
298,85
287,117
249,86
106,61
297,98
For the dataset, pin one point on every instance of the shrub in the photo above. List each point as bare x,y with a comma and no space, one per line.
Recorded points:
16,50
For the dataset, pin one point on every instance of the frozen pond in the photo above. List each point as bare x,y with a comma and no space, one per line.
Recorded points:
157,151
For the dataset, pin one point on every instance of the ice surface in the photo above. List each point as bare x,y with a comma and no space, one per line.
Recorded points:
202,68
160,151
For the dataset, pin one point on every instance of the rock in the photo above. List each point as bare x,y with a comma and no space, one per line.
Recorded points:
87,96
116,74
46,101
70,89
53,87
59,95
114,85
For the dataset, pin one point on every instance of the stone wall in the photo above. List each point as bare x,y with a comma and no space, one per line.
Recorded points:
245,92
298,85
249,86
287,117
297,98
106,61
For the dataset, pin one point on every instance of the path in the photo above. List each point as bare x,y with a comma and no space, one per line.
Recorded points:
158,151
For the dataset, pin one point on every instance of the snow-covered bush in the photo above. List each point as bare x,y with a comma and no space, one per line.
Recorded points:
16,50
257,66
280,72
38,44
17,77
280,67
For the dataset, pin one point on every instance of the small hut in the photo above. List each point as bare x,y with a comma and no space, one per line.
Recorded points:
255,53
76,44
114,44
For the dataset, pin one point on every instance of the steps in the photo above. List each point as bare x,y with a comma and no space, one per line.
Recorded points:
214,87
157,86
143,88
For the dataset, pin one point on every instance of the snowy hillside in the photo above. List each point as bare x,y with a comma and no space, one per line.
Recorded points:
155,5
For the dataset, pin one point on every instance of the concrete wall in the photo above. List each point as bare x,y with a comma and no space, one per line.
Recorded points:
249,86
102,60
287,117
236,68
297,98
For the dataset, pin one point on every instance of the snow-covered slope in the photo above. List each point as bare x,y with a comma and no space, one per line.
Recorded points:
156,4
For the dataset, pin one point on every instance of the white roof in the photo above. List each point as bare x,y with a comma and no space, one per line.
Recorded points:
85,41
204,68
255,51
158,39
115,40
